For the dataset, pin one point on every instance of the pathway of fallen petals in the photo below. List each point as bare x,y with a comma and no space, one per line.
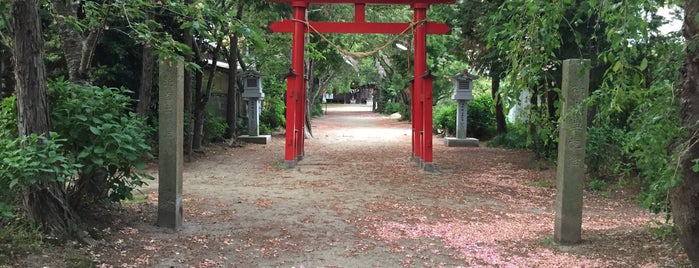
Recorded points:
356,200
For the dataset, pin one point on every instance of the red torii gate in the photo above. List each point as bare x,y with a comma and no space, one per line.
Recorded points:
421,97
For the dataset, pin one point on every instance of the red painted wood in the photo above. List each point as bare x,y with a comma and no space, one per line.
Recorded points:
359,12
373,2
292,89
427,120
287,26
420,47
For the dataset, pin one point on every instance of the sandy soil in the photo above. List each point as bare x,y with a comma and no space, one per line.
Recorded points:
357,201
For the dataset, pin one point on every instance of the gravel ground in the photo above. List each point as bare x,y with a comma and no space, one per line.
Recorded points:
357,201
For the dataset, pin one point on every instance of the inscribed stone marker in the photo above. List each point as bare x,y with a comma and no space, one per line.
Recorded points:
570,175
170,155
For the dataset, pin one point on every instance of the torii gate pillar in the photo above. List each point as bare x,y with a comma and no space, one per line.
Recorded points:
295,90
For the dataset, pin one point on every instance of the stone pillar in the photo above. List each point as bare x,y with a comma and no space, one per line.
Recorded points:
570,175
254,117
170,140
461,119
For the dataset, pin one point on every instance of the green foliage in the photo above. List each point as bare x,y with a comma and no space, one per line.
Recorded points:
666,231
597,184
481,117
480,121
398,107
392,107
273,115
27,161
8,118
214,127
444,118
101,134
317,109
516,137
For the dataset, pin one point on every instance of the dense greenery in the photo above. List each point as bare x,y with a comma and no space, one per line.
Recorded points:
480,117
98,144
95,134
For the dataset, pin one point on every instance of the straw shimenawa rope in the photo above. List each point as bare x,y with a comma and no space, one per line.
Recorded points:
360,55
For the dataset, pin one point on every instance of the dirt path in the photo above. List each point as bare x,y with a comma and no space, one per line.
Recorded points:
356,201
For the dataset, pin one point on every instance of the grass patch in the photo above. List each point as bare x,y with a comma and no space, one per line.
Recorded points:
18,238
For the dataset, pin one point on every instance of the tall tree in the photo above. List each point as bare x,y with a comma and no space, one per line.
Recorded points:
78,44
685,198
232,92
46,201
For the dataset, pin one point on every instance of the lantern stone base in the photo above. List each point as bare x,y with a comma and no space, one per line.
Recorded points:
261,139
456,142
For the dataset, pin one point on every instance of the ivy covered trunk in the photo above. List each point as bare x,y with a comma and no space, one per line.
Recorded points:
46,200
685,197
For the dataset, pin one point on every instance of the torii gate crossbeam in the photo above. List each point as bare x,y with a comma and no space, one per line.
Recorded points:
421,97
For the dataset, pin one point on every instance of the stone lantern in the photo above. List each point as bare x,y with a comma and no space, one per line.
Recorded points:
463,94
253,94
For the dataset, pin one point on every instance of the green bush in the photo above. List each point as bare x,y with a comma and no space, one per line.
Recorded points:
8,118
103,136
444,118
515,138
273,115
214,127
481,117
391,108
317,109
23,166
480,121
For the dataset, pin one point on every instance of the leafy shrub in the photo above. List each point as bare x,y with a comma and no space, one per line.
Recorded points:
24,166
445,118
273,115
481,117
397,107
597,184
480,121
8,118
391,108
516,137
317,109
103,136
214,127
635,141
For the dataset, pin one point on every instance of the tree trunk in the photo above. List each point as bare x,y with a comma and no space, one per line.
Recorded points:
499,113
685,197
231,101
78,47
45,201
188,40
203,99
146,86
198,121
